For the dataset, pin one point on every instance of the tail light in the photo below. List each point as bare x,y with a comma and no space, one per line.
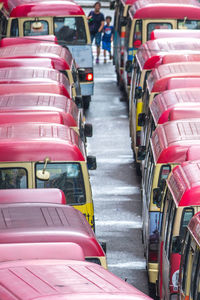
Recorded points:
129,79
89,77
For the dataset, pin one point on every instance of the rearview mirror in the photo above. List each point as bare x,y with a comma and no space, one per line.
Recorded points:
177,242
37,25
112,5
129,66
123,21
103,245
141,119
138,92
79,101
91,162
157,196
88,130
141,153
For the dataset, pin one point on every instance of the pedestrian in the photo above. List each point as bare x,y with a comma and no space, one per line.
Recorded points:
108,31
96,24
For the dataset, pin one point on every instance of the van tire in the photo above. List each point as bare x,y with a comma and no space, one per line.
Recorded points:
86,101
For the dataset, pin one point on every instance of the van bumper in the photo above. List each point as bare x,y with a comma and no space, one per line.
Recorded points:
153,272
87,89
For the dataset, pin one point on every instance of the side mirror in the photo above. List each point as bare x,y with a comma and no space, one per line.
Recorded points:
177,242
138,92
141,153
88,130
141,119
157,196
123,21
129,66
91,162
112,5
43,175
79,101
103,245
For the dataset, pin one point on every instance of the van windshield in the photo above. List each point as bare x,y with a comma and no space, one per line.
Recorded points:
70,30
34,28
67,177
188,24
13,178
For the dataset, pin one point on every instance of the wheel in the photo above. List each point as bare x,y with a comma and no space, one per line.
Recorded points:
86,101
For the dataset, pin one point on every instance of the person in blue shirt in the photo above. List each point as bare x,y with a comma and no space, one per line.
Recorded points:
107,37
96,24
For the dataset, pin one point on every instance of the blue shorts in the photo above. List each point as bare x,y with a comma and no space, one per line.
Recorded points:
106,46
97,37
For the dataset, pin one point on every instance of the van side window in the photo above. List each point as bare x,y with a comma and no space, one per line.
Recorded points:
185,219
127,32
3,24
120,15
171,211
137,37
195,277
14,31
185,260
164,173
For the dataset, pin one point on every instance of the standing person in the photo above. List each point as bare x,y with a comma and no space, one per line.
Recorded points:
107,37
96,24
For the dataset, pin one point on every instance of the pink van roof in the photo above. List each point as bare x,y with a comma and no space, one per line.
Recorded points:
187,111
28,39
167,9
57,53
159,77
181,83
170,141
184,184
51,279
39,222
11,252
38,141
27,62
174,33
43,88
153,53
165,102
38,108
193,153
193,227
55,196
19,9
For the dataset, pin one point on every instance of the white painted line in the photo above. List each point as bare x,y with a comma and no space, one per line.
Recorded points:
136,265
128,190
114,160
128,224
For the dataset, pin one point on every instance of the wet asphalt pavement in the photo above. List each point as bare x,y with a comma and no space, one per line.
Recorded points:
115,186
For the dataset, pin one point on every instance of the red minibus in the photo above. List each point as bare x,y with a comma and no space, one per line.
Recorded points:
45,155
41,108
62,60
64,19
168,147
175,33
41,222
62,279
180,203
145,16
25,251
189,275
55,196
151,55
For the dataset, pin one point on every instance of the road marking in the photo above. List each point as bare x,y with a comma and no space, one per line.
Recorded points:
136,265
126,190
114,160
128,224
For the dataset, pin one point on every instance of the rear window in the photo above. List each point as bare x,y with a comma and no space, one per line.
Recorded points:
153,26
13,178
70,30
14,31
188,24
34,28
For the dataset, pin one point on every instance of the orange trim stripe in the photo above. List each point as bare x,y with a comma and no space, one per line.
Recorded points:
123,33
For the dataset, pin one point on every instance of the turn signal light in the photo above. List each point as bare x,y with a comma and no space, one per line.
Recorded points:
89,77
